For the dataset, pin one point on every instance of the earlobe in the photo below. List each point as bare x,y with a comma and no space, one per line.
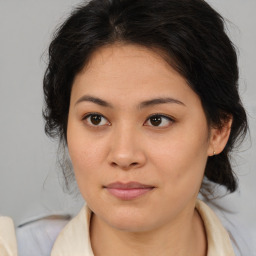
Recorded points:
219,138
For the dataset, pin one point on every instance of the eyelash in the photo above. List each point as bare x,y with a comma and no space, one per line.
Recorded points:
160,116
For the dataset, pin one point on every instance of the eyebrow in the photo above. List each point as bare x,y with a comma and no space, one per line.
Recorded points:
143,104
95,100
157,101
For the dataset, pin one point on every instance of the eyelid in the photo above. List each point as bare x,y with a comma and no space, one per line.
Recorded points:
162,115
90,114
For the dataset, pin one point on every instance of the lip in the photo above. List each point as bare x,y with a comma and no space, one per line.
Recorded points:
128,191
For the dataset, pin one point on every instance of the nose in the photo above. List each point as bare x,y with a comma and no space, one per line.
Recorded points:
126,149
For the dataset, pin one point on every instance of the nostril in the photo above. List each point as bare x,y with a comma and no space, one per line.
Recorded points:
114,164
125,166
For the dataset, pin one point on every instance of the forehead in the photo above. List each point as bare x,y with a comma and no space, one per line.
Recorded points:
119,71
110,61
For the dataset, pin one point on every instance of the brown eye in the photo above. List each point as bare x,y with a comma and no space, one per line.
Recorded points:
159,121
96,120
155,120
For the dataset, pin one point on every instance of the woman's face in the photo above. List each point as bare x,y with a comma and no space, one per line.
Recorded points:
138,139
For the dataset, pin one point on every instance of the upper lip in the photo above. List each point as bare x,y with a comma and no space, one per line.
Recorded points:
128,185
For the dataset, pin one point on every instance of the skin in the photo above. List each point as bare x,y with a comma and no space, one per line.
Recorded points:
126,145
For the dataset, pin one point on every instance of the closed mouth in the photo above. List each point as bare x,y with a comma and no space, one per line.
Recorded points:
128,191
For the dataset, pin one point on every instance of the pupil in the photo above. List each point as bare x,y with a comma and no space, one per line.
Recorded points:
156,120
95,119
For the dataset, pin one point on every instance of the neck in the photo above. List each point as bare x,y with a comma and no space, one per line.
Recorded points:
181,238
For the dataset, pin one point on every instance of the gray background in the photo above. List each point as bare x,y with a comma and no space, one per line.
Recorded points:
29,178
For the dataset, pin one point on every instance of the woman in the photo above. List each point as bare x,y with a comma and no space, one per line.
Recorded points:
144,96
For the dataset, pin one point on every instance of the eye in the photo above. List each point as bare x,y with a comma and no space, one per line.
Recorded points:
159,120
96,120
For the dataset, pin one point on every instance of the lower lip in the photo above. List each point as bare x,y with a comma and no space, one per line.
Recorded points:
128,194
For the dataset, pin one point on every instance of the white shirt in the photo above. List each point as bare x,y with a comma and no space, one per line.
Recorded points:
8,245
74,239
68,236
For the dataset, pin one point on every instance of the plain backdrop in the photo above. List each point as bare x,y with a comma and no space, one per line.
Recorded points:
29,176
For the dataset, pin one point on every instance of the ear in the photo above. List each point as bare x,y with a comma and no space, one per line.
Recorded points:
219,137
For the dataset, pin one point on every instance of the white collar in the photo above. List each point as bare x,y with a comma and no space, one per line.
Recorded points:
218,241
74,239
8,244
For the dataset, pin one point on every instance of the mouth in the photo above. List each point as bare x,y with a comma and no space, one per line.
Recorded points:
128,191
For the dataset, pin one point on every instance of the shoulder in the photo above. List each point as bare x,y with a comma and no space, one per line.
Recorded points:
218,240
241,236
53,234
39,235
7,237
74,239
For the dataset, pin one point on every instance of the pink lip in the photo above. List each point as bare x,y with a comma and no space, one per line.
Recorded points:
128,191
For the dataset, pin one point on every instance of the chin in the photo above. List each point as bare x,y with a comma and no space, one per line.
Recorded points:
128,222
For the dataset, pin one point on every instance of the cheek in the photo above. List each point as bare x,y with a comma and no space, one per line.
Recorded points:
181,160
84,161
84,156
83,148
